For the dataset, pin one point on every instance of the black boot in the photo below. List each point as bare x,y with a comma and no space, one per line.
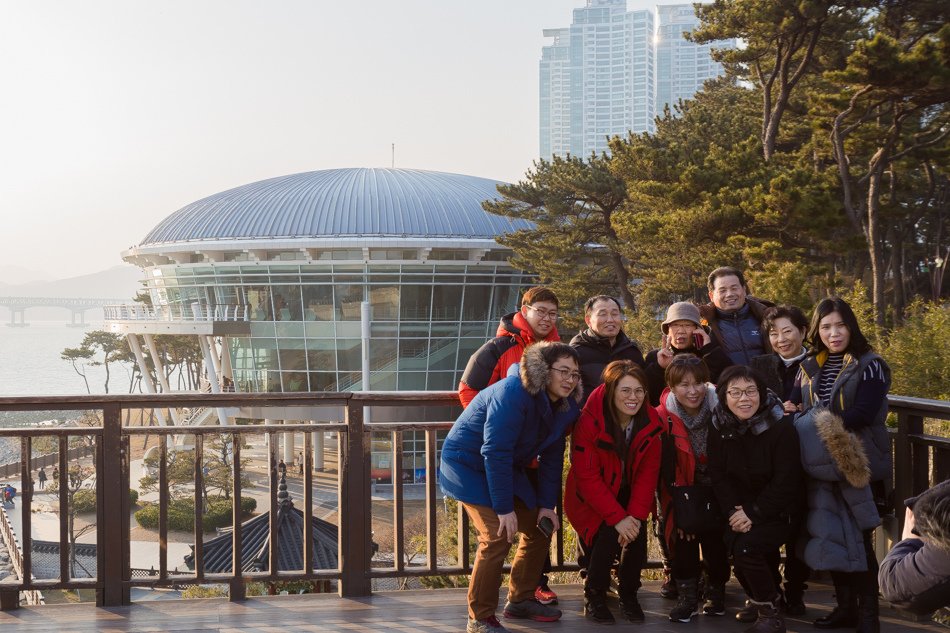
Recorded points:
769,619
868,614
843,616
631,606
748,613
687,602
595,606
715,600
795,598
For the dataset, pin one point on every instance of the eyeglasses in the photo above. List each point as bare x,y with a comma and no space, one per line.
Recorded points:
626,392
544,314
567,374
736,394
686,359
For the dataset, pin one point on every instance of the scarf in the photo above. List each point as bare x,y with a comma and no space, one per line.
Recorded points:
764,418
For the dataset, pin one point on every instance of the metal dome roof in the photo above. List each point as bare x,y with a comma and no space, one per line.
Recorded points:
342,203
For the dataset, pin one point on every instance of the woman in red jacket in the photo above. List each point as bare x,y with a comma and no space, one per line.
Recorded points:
615,462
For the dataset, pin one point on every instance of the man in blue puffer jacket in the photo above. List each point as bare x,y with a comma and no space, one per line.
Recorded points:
508,427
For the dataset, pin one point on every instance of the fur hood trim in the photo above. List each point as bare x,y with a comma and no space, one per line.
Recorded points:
845,448
534,372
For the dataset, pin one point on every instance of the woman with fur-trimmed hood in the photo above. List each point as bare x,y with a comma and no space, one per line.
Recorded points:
846,455
508,427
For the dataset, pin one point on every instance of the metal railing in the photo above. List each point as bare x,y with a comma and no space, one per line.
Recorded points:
194,311
920,460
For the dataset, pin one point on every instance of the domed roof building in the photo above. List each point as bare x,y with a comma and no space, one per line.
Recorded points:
272,277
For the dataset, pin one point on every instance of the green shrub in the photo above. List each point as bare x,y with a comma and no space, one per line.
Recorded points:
181,514
85,499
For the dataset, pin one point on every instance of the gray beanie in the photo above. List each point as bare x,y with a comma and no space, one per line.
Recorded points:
680,311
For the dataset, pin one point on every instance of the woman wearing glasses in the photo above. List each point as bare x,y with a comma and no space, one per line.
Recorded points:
615,460
756,471
846,454
508,427
685,410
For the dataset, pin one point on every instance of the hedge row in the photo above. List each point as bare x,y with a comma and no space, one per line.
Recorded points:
181,514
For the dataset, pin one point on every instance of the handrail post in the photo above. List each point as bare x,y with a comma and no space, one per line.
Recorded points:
907,425
113,545
354,494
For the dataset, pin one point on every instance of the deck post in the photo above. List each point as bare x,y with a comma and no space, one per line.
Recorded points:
113,490
354,494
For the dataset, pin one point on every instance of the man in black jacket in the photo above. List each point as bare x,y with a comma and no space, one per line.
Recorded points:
603,341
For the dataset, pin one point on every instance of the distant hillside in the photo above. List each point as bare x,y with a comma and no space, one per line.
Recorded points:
118,282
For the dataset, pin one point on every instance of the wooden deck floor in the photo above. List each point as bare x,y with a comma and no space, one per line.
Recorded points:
425,611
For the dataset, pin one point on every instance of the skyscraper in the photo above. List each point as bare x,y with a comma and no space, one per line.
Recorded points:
681,66
602,76
596,78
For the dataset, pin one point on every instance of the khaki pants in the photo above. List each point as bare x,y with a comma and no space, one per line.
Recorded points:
490,559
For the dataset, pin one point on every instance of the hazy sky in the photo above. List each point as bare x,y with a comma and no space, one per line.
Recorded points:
115,113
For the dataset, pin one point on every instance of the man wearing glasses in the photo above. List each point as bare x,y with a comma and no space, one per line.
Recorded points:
604,341
535,322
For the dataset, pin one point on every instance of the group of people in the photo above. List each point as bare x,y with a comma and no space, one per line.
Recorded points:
751,428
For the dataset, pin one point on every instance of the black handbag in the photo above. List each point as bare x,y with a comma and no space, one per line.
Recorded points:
695,509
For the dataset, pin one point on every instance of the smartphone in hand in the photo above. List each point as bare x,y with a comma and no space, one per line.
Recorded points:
546,526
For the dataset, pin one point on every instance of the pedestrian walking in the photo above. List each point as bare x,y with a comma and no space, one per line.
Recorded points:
42,477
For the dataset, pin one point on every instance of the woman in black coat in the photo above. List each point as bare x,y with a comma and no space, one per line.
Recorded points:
755,468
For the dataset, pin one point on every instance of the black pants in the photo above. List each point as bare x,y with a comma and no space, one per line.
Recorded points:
796,570
863,583
604,549
686,557
756,572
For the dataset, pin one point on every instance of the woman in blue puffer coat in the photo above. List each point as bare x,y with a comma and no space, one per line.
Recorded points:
846,455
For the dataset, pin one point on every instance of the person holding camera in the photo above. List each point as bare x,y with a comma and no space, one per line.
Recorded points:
615,462
915,574
509,427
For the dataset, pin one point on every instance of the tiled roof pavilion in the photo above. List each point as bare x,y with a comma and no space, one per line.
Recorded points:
255,534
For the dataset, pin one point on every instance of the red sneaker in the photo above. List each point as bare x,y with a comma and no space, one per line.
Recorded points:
544,595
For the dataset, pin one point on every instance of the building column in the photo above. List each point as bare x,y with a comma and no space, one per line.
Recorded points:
289,440
160,372
318,463
211,366
143,368
268,422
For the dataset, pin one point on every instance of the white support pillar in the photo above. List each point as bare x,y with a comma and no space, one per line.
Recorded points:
365,318
267,437
318,463
212,375
226,370
143,367
289,441
215,356
160,372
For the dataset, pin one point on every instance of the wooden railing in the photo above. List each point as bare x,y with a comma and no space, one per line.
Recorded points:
920,461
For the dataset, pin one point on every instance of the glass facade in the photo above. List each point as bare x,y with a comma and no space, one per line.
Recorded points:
426,319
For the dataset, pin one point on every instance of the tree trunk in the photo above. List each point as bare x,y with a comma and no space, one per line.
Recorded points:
899,302
623,282
875,245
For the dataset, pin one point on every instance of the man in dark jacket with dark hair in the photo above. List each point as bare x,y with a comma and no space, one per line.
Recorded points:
733,317
603,342
915,574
